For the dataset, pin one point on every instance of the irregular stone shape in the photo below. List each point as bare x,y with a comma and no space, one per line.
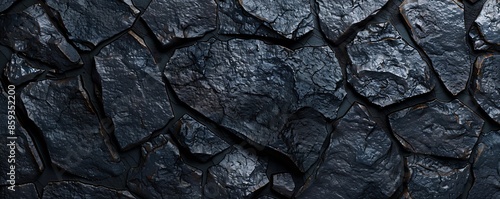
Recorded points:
4,4
385,69
24,191
361,161
233,19
60,111
198,138
291,19
283,184
250,87
486,167
454,125
478,39
489,21
241,172
90,22
163,173
487,84
336,16
438,27
70,189
32,34
20,70
170,19
434,178
133,91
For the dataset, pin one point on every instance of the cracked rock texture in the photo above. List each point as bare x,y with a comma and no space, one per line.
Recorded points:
487,86
489,21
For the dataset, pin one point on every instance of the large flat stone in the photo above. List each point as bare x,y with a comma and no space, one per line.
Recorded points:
486,167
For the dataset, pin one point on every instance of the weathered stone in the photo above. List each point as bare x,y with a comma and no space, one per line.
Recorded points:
291,19
90,22
489,21
478,39
384,68
487,85
32,34
71,130
283,184
170,19
360,157
234,20
438,27
250,87
24,191
163,173
434,178
20,70
4,4
486,167
435,128
70,189
133,91
336,16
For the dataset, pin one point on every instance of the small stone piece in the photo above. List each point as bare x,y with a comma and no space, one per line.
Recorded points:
70,189
20,70
438,27
489,21
435,128
22,191
233,19
385,69
170,19
487,86
283,184
133,91
486,167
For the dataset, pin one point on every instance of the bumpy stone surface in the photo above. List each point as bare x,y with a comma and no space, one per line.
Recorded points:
4,4
291,19
487,85
486,167
234,20
171,19
360,157
489,21
384,68
133,91
336,16
31,33
433,178
59,109
70,189
283,183
90,22
24,191
455,126
438,27
249,86
20,70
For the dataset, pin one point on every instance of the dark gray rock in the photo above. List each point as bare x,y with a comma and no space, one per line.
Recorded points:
438,27
291,19
434,178
24,191
489,21
31,33
336,16
70,189
487,85
90,22
361,161
133,91
435,128
171,19
4,4
233,19
385,69
61,112
283,184
478,39
20,70
486,167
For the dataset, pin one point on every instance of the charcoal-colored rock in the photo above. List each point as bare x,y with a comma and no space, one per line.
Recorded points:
487,85
71,189
489,21
283,184
90,22
478,39
169,19
336,16
292,19
486,167
361,161
4,4
133,91
20,70
31,33
233,19
434,178
436,128
438,27
384,68
71,129
24,191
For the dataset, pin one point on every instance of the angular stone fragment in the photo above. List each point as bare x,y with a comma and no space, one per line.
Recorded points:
361,161
385,69
71,130
486,167
336,16
438,27
4,4
292,19
24,191
487,85
283,184
70,189
233,19
89,22
434,178
489,21
133,91
32,34
250,87
435,128
170,19
20,70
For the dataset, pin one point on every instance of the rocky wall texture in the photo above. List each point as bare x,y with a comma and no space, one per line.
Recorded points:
261,99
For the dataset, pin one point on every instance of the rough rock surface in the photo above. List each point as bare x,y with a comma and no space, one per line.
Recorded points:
283,183
4,4
487,85
489,21
486,167
131,77
455,126
384,68
20,70
23,191
438,27
233,19
69,189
